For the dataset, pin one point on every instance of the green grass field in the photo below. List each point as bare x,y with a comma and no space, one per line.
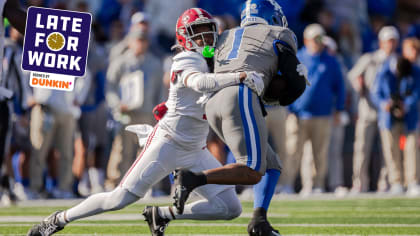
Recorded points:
364,216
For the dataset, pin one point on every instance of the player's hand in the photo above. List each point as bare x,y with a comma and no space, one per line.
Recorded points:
254,81
204,99
303,71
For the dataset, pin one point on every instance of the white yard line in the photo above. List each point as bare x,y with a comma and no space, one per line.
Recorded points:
173,224
103,217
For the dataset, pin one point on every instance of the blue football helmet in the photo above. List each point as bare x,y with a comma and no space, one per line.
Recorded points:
262,12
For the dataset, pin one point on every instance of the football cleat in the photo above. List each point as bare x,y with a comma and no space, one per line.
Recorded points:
47,227
262,228
157,224
259,225
185,182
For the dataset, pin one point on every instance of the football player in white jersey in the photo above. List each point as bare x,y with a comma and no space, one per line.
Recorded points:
178,141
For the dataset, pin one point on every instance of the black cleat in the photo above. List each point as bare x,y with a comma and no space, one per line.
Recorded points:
259,225
185,182
157,224
47,227
262,228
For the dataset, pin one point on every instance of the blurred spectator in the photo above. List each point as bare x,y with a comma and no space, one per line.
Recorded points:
116,36
117,47
222,7
414,30
108,12
312,112
370,31
335,150
349,43
362,76
411,50
385,8
165,14
12,106
292,10
129,7
396,95
134,82
94,134
53,122
353,11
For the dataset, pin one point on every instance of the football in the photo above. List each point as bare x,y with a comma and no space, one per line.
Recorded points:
276,85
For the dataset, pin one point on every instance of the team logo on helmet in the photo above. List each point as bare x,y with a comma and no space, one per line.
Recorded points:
186,19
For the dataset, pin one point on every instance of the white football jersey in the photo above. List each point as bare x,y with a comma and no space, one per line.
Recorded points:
185,119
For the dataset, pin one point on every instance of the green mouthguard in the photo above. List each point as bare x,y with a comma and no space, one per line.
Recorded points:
207,52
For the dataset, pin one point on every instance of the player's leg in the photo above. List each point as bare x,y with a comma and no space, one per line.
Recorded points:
95,204
243,129
219,202
264,190
154,163
263,193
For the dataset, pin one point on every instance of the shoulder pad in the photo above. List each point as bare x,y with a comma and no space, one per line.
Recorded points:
188,60
287,36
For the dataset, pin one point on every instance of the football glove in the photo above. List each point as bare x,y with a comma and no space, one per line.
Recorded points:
303,71
254,81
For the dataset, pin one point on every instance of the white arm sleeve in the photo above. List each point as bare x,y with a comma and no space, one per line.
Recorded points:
210,82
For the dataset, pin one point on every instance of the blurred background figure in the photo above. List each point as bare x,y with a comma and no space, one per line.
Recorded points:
134,82
15,136
53,123
396,96
362,77
165,13
314,111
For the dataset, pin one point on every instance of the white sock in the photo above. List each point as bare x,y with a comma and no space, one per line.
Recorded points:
61,217
167,212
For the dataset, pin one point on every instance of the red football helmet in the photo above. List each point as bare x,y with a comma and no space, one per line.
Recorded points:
186,24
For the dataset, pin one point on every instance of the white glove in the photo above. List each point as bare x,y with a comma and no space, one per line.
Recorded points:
143,131
254,81
204,99
303,71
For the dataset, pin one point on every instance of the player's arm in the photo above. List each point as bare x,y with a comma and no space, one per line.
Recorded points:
292,75
15,14
212,82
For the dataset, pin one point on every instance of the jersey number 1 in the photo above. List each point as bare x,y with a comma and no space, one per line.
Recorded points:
233,54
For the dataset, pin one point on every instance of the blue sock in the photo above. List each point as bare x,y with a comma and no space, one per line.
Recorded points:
50,183
15,167
264,190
